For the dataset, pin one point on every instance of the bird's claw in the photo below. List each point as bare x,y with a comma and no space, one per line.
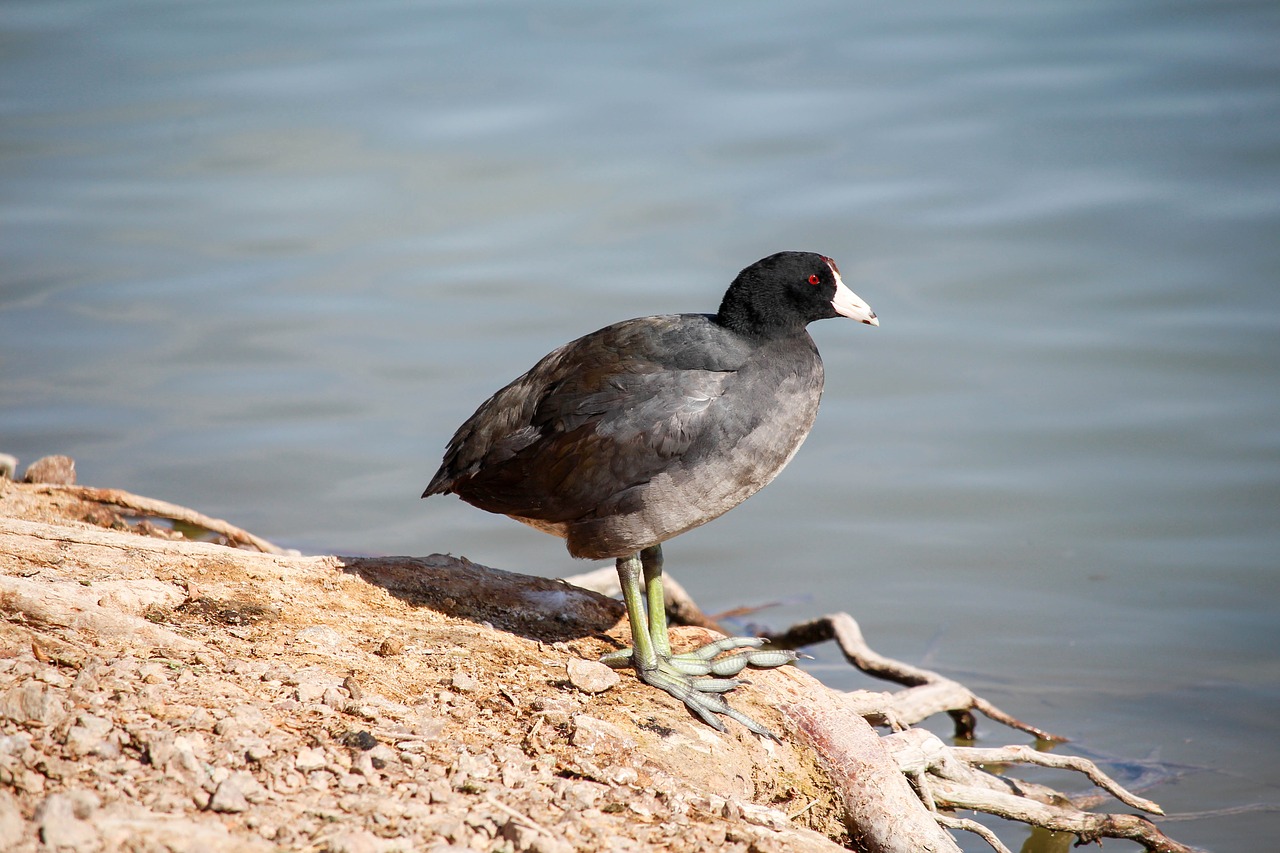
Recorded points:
681,675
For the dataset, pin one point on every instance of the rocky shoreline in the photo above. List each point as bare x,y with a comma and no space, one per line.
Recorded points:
169,682
170,702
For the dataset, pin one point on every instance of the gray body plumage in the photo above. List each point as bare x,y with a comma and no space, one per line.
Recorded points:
638,432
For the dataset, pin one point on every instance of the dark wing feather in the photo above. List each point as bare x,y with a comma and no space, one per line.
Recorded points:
558,443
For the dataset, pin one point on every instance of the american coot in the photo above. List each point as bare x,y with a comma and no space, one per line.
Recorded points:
633,434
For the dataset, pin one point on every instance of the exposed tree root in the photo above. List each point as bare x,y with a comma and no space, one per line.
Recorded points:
927,692
137,505
946,778
950,778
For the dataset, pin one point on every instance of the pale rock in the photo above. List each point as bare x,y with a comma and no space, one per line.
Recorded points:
382,756
323,638
334,699
159,746
233,793
53,676
474,766
250,716
54,470
258,751
363,765
188,751
14,744
64,820
621,776
579,794
88,735
591,676
541,843
363,841
309,759
134,829
593,735
32,704
557,709
201,719
310,684
13,828
154,672
464,682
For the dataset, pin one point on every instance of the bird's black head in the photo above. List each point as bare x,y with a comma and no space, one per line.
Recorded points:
783,293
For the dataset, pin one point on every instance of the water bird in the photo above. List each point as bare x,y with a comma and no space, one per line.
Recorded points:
637,432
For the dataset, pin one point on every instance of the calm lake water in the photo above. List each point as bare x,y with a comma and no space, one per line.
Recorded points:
262,258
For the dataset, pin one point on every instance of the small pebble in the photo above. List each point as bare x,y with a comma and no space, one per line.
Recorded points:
591,676
231,795
12,825
31,703
361,740
464,682
64,820
53,470
334,699
309,759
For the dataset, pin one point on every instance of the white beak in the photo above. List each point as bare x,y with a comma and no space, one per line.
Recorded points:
849,304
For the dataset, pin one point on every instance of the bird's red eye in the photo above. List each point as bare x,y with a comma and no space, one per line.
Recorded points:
813,278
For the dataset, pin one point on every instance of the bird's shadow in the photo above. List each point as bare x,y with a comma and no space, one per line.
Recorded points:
542,609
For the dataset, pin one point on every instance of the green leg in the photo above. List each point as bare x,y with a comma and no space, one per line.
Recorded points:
629,572
651,561
680,675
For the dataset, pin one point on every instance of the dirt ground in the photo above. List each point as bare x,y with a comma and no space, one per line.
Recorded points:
159,695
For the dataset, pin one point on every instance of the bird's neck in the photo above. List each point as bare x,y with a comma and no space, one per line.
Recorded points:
746,319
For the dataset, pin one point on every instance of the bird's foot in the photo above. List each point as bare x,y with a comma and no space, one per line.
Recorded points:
683,676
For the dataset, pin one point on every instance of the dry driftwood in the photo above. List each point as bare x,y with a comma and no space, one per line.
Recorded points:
892,793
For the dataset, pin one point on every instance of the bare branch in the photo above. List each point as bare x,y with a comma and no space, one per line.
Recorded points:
162,509
976,828
929,692
1024,755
